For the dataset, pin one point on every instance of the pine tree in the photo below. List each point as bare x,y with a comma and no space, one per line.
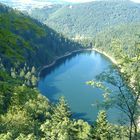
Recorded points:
82,130
13,73
22,73
26,137
102,129
7,136
33,80
59,126
28,75
61,110
33,70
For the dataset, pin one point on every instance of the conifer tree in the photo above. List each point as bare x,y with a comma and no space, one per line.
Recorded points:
22,73
102,126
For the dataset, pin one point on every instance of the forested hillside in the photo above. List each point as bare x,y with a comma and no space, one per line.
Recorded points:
125,37
26,44
25,39
123,43
24,112
89,18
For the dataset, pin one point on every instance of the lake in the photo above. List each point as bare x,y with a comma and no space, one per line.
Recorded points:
68,78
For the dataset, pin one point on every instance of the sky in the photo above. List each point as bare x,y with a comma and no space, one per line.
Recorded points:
74,1
25,5
137,1
79,1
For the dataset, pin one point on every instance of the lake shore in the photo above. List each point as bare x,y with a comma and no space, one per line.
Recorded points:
79,50
90,49
105,54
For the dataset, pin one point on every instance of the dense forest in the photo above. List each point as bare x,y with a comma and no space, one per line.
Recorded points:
24,112
89,18
23,38
26,45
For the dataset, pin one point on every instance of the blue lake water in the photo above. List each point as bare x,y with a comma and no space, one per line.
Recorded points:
68,78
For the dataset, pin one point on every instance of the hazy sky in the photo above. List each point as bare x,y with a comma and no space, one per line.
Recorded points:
79,0
75,1
138,1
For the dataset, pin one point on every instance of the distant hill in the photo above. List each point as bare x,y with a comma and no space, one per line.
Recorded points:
28,5
89,18
42,14
25,39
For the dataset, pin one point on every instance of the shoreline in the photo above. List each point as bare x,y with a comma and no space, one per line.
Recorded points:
105,54
90,49
70,53
59,57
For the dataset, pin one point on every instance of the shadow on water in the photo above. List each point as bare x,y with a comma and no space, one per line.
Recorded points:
59,62
50,90
52,87
82,116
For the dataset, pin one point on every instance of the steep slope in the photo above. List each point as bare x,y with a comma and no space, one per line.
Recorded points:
122,37
24,112
25,39
90,18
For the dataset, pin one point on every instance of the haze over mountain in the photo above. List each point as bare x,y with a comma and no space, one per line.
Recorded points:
27,5
89,18
31,4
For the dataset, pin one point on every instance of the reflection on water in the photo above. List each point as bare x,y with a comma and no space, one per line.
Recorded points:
68,78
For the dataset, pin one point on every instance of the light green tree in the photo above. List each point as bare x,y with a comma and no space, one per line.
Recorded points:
33,80
22,73
26,137
33,70
6,136
82,130
13,73
102,129
28,75
59,125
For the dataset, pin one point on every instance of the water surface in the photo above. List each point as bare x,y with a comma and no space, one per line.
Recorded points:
68,78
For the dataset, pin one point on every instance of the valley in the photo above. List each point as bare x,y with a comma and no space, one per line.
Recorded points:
69,71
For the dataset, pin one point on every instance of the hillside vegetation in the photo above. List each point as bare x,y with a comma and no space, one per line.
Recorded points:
24,112
89,18
125,37
42,14
25,39
26,44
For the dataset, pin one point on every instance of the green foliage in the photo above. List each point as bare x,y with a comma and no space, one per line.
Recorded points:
16,120
62,110
122,43
87,19
23,38
61,127
6,136
103,128
39,108
24,112
82,130
26,137
58,126
43,13
22,73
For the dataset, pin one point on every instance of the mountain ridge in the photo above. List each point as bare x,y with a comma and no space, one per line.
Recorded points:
89,18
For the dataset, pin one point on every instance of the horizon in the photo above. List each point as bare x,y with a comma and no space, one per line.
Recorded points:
55,1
